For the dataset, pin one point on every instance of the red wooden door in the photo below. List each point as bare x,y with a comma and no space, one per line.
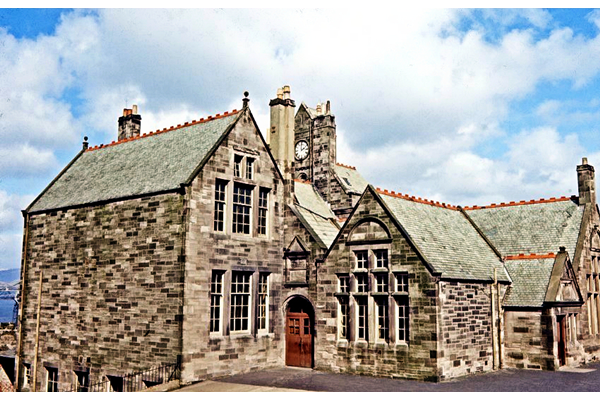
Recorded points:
298,349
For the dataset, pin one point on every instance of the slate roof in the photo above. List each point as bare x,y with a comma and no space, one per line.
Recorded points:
446,238
350,179
309,198
315,214
530,281
150,164
539,228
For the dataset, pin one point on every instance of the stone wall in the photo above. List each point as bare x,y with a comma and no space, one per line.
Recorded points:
529,340
466,329
206,354
8,337
111,289
415,358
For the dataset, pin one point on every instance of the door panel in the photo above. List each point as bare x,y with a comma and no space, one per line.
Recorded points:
298,352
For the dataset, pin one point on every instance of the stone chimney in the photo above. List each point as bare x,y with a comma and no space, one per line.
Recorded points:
280,136
130,123
586,182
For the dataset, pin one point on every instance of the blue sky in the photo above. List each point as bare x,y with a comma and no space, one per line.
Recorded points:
460,106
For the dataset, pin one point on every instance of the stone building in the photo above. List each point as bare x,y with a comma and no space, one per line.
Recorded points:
208,246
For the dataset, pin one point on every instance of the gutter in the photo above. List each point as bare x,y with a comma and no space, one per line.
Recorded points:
22,305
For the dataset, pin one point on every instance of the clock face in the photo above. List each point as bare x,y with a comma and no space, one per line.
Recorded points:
301,150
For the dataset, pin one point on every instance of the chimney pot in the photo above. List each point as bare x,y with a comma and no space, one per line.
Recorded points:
584,161
280,93
319,111
134,109
286,92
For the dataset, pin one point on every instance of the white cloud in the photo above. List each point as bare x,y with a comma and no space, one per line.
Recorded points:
412,94
10,211
22,160
10,250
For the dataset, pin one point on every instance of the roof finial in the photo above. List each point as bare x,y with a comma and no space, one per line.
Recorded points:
85,142
245,100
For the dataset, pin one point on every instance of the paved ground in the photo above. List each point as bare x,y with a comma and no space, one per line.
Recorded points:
571,380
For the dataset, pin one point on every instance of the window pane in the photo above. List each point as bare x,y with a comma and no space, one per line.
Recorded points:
381,256
220,196
403,318
362,259
240,299
242,200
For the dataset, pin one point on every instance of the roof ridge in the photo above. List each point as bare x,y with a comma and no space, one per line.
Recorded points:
345,166
522,202
531,256
164,130
416,199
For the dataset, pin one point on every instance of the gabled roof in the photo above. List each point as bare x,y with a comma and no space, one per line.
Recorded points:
541,280
156,162
315,214
530,279
539,227
309,198
445,238
350,179
312,113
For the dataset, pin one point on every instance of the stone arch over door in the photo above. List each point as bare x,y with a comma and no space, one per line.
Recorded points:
299,332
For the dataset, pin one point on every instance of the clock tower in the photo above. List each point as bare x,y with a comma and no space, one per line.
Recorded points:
315,146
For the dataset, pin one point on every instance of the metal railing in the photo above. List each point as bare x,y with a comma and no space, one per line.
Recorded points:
134,382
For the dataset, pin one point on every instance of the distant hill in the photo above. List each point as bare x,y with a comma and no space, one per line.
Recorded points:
10,275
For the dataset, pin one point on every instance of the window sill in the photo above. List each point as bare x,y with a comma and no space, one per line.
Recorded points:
400,294
402,344
241,335
342,343
264,334
361,344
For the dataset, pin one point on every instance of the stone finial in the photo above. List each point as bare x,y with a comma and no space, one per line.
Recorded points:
562,249
85,143
245,100
328,108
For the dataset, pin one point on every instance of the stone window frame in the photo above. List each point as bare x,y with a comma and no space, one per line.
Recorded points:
262,225
239,208
247,295
373,268
216,294
344,288
263,300
27,377
52,379
81,380
220,206
593,294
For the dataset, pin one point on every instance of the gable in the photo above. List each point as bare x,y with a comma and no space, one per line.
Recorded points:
297,246
148,164
563,283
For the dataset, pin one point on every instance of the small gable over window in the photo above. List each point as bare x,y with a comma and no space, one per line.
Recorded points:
369,230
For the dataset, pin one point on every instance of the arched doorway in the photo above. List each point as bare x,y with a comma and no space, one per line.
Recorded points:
299,333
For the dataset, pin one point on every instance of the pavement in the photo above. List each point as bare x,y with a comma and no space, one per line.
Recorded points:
567,379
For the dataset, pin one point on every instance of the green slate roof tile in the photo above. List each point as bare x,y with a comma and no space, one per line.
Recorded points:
530,281
310,199
145,165
539,228
323,230
350,179
447,240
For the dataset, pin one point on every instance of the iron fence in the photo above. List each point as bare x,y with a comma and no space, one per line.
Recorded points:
134,382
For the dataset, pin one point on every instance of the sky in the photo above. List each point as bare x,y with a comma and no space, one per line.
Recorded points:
462,106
